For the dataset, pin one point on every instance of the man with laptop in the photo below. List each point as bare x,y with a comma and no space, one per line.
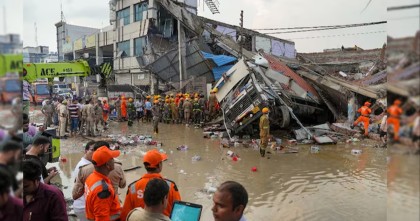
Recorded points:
152,161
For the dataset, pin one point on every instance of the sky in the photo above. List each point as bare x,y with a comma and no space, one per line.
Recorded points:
257,14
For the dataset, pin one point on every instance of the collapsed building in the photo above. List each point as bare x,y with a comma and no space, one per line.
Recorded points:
162,45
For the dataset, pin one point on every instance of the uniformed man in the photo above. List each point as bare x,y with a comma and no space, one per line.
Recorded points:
153,162
264,131
131,112
212,103
90,119
167,111
83,119
364,117
187,110
116,176
156,113
174,111
98,114
48,111
394,118
181,110
197,111
63,114
102,203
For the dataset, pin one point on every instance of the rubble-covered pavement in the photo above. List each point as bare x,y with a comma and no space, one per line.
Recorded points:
290,178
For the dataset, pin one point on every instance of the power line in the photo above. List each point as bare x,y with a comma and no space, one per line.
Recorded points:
402,7
332,36
324,26
331,27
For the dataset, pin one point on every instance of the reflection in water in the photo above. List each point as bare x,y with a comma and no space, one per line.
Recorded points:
403,187
330,185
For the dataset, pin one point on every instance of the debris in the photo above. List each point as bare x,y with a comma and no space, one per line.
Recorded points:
196,158
235,158
132,168
182,147
230,153
63,159
211,190
352,140
254,169
356,152
182,172
324,139
292,142
314,149
342,74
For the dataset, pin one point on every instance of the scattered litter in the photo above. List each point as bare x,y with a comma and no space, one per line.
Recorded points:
236,144
246,137
162,151
196,158
63,159
292,142
353,139
182,172
254,169
230,153
314,149
356,152
235,158
211,190
182,147
214,136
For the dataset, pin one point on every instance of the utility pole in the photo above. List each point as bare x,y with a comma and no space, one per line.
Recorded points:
4,20
181,55
240,33
36,35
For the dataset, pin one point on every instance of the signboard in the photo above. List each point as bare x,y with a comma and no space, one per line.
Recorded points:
91,41
78,44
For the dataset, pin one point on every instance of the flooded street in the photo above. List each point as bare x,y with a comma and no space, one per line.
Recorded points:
333,184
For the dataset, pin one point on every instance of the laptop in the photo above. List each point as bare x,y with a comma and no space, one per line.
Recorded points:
184,211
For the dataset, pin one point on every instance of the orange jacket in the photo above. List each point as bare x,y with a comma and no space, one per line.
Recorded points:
395,111
365,111
135,190
101,201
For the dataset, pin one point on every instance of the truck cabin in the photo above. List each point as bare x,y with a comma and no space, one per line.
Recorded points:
10,88
41,91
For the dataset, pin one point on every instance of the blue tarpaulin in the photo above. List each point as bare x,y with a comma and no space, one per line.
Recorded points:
221,61
218,71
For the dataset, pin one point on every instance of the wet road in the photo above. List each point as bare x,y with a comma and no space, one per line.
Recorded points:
333,184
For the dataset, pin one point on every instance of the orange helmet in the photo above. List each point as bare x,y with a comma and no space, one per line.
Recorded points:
147,97
397,102
215,90
167,100
156,101
367,103
130,99
265,110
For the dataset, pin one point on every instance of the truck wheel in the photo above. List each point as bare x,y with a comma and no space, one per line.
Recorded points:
284,120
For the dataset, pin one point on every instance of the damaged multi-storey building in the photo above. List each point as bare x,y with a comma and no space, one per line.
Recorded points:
162,45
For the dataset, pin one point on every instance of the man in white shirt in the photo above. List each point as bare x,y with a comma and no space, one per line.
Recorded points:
79,204
230,201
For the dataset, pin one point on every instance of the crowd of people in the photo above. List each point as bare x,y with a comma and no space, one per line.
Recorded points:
188,108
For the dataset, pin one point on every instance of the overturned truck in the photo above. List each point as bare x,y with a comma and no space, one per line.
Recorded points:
265,81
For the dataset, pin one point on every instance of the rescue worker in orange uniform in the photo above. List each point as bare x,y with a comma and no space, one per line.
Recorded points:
394,117
102,203
364,116
152,161
123,108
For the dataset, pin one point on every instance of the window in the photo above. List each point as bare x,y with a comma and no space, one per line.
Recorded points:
124,14
138,11
139,44
12,86
140,77
124,48
42,89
